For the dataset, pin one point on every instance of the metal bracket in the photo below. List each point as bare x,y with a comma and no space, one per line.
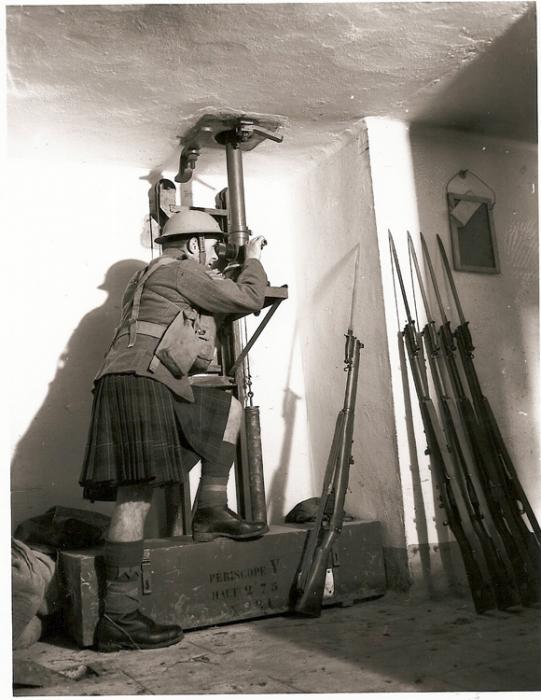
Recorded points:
146,573
188,160
335,556
162,200
258,331
215,131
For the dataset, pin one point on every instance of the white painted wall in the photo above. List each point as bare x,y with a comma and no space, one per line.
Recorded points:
82,220
396,210
503,309
410,170
85,224
327,214
79,232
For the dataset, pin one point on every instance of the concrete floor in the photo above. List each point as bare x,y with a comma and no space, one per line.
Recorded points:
391,644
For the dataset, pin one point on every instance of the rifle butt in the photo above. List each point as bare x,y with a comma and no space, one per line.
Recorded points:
308,597
308,601
507,596
482,593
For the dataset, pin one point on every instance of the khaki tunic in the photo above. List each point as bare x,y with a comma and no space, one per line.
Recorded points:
165,292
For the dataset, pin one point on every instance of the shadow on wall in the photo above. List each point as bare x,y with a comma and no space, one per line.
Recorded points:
418,498
48,458
497,92
501,85
493,95
278,486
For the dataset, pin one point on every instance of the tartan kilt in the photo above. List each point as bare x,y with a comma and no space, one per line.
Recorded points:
140,431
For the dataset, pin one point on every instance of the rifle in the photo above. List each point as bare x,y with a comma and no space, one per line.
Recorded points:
503,586
309,586
482,595
500,469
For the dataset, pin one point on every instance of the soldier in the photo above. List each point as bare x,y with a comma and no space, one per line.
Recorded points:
149,426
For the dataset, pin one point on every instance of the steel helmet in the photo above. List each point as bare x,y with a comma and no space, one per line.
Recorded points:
190,222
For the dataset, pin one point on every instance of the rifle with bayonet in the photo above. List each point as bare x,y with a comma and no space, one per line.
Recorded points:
309,585
461,451
499,473
482,595
496,498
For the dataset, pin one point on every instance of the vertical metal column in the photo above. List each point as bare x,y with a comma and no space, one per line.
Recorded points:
238,231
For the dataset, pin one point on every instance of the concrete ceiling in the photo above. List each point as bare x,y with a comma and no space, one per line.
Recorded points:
122,83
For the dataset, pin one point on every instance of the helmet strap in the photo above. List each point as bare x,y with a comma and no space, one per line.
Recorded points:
202,250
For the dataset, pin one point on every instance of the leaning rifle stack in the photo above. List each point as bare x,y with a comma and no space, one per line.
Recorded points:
468,457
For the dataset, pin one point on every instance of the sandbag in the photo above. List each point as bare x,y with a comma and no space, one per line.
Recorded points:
35,593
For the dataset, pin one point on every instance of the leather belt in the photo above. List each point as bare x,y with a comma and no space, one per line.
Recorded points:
156,330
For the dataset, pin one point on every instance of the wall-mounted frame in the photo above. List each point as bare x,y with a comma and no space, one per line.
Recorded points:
473,241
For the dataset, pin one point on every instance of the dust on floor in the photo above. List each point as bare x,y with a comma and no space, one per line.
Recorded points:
391,644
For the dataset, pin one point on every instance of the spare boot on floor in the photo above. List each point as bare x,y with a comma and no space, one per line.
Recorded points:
219,521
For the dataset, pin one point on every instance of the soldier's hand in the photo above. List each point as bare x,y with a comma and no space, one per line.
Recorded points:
254,246
215,274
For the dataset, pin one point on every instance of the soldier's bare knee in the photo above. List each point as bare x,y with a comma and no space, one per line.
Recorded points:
233,421
140,494
236,408
129,514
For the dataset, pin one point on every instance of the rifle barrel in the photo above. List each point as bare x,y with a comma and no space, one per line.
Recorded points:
482,593
308,557
310,580
503,587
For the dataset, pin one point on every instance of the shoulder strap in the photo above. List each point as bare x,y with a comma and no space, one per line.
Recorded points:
144,274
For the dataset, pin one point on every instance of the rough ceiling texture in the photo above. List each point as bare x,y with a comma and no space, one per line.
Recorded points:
122,83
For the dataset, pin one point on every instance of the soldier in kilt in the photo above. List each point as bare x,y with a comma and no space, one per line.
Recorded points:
149,426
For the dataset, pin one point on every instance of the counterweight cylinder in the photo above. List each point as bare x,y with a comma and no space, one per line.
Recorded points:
255,462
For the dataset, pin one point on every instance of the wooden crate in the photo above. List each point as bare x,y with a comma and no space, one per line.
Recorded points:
201,584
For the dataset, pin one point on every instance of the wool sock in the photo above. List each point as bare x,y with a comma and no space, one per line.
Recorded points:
214,477
123,577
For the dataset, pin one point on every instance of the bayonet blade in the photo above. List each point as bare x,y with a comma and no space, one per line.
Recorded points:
451,281
413,256
400,280
354,293
434,280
